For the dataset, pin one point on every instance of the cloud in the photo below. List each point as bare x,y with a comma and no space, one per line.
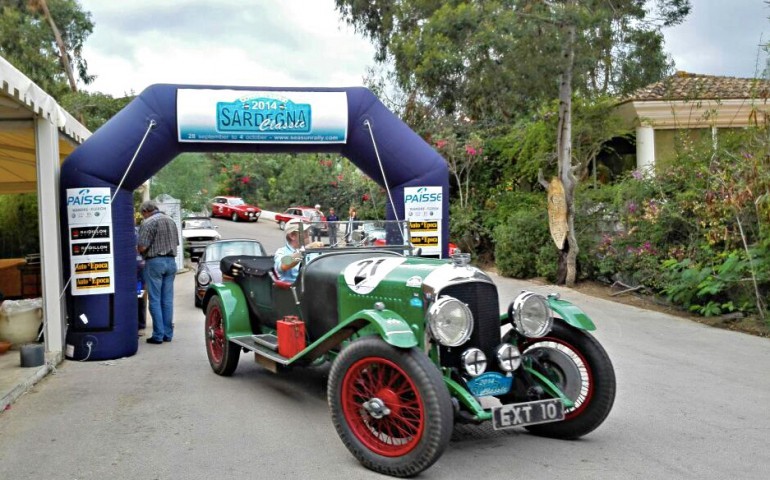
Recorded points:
304,43
297,43
721,38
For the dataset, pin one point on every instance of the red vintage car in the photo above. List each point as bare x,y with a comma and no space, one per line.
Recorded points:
234,208
299,213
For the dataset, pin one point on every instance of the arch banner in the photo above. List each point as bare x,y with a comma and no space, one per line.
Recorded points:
166,120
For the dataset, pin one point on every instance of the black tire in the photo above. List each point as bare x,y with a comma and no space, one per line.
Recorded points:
223,354
422,405
577,363
198,301
281,224
234,217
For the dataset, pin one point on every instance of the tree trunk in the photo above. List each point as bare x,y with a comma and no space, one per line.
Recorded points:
564,138
63,55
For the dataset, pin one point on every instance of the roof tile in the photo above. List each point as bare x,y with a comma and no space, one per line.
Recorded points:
691,86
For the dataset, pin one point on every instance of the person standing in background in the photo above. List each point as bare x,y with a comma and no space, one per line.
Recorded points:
351,226
141,292
315,224
158,241
332,220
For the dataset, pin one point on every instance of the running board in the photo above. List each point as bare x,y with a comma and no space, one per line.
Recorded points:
264,346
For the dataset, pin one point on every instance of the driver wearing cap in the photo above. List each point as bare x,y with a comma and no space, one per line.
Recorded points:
287,259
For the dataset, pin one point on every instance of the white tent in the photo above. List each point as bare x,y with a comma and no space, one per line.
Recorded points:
36,134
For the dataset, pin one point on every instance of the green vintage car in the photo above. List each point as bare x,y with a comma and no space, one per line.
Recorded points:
416,344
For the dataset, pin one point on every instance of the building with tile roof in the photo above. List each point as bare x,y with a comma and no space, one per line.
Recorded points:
693,104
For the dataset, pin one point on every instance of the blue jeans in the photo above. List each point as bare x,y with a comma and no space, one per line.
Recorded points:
159,274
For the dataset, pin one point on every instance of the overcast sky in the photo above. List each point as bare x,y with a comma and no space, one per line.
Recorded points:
303,43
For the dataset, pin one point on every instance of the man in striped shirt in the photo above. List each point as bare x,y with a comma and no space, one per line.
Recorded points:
158,241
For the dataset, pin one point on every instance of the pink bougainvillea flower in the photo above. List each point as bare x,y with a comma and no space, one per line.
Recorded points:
441,143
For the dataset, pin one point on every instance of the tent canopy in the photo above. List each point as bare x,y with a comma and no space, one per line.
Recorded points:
21,102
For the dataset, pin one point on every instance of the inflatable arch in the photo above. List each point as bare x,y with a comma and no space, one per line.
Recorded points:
99,177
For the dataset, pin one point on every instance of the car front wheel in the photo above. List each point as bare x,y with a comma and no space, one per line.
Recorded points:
234,217
578,365
281,224
390,407
223,354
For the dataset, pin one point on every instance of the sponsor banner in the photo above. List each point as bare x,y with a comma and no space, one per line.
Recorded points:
422,207
89,213
91,248
77,233
92,267
261,116
423,226
91,283
424,240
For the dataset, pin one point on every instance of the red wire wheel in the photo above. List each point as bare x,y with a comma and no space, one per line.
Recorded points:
223,354
215,334
382,407
390,406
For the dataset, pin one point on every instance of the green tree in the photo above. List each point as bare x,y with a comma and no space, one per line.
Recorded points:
53,34
93,109
20,212
492,60
247,175
487,60
188,178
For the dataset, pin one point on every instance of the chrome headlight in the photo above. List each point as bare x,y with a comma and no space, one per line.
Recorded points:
474,362
204,278
450,321
508,357
531,315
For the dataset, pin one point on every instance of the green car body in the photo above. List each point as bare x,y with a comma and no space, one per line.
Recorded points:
356,302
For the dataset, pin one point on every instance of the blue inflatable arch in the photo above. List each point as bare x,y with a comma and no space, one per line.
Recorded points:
104,326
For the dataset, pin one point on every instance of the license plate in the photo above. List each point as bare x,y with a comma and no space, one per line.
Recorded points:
528,413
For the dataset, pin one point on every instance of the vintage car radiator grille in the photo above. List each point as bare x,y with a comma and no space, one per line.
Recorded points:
481,298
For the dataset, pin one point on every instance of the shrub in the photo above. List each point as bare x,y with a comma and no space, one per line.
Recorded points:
466,228
519,240
696,231
711,288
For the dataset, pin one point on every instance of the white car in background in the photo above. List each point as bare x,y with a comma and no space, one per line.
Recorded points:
197,234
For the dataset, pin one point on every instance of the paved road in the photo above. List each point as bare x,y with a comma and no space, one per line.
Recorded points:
693,403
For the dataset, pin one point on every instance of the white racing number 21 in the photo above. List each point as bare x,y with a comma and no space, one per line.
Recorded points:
363,276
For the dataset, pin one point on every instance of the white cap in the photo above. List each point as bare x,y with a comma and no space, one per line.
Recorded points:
291,226
317,205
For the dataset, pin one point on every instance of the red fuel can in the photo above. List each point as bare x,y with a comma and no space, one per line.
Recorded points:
291,336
